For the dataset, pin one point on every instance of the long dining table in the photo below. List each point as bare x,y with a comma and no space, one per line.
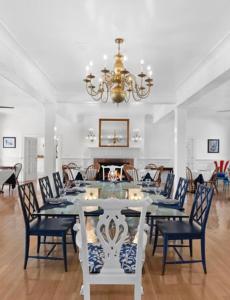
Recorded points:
67,205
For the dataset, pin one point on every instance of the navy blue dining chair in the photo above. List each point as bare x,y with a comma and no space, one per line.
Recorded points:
42,227
45,188
167,192
57,183
182,188
194,229
180,195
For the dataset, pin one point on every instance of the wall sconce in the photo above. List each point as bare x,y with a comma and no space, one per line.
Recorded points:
136,136
91,135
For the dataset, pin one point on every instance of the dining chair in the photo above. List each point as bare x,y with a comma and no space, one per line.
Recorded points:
68,177
57,183
42,227
191,184
167,192
194,229
180,195
116,255
157,176
212,182
151,166
91,172
132,172
45,188
13,180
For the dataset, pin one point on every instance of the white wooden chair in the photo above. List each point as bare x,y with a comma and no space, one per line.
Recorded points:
112,170
112,259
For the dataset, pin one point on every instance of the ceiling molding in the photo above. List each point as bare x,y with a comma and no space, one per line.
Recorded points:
19,69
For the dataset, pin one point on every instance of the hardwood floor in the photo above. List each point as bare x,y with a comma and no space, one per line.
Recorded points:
47,279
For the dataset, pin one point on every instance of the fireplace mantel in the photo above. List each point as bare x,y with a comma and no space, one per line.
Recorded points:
118,152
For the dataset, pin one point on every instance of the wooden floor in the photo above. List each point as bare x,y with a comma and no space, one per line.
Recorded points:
47,279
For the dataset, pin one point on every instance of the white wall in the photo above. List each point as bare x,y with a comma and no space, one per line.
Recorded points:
19,123
201,129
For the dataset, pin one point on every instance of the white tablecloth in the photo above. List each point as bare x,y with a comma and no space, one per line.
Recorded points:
4,175
205,173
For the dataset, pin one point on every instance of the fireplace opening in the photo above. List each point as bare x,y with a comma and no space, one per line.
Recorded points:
115,162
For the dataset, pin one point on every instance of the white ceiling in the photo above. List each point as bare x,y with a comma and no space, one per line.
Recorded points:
62,36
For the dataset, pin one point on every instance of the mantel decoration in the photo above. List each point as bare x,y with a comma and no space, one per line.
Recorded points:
136,136
113,132
119,83
91,135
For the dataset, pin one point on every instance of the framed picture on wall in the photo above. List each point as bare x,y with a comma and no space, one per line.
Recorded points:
9,142
213,145
113,132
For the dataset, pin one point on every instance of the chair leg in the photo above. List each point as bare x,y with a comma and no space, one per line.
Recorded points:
137,292
155,241
190,248
38,243
73,239
165,252
151,228
27,247
86,291
203,256
64,251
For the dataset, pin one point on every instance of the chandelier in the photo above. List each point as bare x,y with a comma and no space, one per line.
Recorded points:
119,83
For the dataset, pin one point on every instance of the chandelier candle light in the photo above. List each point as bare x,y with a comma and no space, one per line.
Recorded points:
119,83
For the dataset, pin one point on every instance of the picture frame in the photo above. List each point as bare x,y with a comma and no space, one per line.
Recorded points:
213,145
113,133
9,142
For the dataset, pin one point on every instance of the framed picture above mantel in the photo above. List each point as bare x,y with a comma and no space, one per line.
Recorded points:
113,132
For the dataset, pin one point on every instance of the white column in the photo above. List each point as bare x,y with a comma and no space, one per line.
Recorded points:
180,151
50,143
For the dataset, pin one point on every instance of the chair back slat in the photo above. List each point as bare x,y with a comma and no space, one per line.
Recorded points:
169,185
28,202
57,183
112,231
181,191
45,187
201,206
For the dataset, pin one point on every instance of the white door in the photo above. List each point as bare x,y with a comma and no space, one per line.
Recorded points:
30,158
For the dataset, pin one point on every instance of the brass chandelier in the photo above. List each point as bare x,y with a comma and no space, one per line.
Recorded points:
119,83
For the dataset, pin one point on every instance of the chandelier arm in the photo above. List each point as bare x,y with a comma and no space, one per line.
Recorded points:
96,95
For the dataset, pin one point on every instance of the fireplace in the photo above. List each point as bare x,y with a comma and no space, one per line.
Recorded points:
112,161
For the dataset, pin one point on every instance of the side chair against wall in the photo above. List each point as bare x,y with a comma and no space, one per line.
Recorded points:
112,259
13,180
57,183
41,227
194,229
182,188
191,184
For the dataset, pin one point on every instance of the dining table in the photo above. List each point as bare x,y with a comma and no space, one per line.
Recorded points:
5,174
67,204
